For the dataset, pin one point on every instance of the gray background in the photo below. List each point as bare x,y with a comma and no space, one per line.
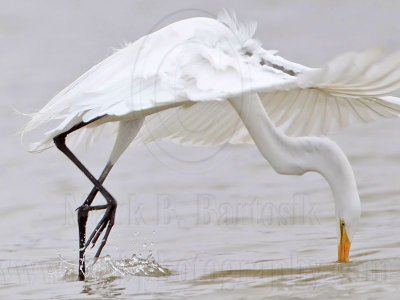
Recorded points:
47,44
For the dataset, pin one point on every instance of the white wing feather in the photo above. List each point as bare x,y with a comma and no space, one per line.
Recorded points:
181,76
349,90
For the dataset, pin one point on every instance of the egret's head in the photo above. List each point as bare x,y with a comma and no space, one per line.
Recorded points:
335,167
348,217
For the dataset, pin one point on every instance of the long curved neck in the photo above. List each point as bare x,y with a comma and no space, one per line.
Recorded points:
295,156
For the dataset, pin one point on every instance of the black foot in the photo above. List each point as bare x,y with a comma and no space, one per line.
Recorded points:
108,218
106,222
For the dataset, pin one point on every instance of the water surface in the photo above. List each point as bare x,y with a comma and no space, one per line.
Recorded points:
198,223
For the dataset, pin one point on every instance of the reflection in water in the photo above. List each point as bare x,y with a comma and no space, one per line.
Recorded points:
265,273
105,288
357,276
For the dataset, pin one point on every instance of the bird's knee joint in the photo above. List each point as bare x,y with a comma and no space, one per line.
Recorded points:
83,209
83,212
59,141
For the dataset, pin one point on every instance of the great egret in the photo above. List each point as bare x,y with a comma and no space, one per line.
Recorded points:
202,67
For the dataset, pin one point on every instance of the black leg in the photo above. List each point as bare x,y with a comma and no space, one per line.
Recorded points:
83,212
107,220
93,192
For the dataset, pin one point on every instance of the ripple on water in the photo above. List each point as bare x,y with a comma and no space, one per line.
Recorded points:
107,268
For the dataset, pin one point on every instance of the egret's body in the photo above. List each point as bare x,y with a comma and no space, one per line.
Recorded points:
213,75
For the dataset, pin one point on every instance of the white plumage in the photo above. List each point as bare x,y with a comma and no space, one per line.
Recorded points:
192,66
204,81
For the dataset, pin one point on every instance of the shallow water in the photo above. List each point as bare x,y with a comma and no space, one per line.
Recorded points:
209,223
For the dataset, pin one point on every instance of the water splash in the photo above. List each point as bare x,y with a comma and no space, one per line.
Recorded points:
107,268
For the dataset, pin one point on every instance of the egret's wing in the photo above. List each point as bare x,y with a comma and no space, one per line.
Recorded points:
156,71
185,68
314,112
351,89
203,123
193,60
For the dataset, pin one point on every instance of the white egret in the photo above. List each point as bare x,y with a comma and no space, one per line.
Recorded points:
208,69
